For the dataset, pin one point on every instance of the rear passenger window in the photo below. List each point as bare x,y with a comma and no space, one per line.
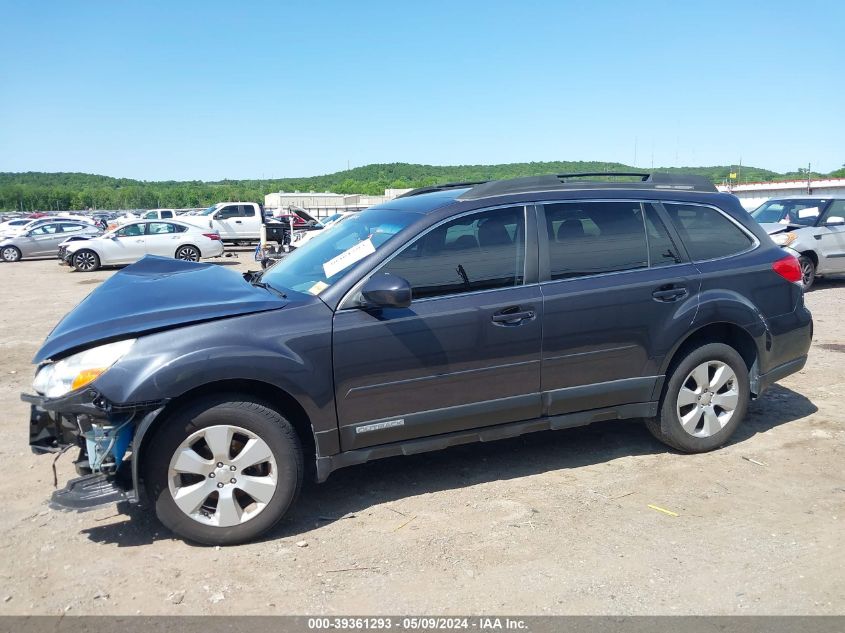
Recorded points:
590,238
707,233
661,249
159,228
247,211
481,251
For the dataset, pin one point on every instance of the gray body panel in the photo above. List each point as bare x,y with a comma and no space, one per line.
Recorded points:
377,382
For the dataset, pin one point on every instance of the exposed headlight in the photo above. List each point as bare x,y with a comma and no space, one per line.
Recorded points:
784,239
74,372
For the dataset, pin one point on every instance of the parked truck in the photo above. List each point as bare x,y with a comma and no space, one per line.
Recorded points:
235,221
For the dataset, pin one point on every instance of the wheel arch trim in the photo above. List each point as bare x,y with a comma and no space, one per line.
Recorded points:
274,395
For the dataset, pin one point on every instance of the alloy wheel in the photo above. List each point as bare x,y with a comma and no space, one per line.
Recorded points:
85,261
11,254
222,476
707,399
807,271
188,254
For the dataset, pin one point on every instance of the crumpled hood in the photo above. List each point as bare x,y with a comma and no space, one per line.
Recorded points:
776,227
155,294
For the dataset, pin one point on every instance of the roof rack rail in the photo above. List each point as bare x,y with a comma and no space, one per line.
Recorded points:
637,174
555,182
443,187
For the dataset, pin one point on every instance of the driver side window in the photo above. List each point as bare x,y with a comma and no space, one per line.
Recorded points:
133,230
45,229
836,213
228,212
480,251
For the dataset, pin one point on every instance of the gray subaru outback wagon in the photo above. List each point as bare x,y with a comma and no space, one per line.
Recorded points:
461,312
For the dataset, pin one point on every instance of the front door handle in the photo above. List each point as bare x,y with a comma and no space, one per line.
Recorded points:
512,316
669,293
237,221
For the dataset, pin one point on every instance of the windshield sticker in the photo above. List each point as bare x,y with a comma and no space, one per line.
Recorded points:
348,257
318,287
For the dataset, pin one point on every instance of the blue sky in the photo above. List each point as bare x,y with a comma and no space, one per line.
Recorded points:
209,90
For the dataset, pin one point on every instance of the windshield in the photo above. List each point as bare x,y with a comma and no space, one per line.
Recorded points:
209,210
322,261
803,212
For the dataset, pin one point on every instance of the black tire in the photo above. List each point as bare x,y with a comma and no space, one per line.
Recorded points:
667,427
188,253
808,271
11,254
236,410
85,260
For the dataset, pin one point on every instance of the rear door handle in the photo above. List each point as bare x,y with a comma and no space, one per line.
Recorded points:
512,316
671,293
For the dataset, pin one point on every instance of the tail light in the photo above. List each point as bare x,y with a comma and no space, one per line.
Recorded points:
212,236
788,268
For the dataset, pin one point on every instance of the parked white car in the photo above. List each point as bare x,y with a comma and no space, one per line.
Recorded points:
129,243
235,221
25,225
301,238
14,227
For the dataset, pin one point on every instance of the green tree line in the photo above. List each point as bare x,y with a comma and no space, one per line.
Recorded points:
30,191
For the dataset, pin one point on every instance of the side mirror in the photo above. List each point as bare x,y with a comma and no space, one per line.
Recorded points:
834,220
386,290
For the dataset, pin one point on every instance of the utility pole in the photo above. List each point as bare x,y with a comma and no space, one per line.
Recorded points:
809,186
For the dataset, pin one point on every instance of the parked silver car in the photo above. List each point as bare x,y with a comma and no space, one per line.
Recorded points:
43,240
810,227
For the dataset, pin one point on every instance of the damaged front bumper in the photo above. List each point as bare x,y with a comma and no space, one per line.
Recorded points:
105,434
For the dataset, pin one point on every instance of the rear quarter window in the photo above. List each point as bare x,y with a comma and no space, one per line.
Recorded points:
706,232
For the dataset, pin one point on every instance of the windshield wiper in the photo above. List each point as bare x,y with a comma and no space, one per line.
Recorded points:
263,284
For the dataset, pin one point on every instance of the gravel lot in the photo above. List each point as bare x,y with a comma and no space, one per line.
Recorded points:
554,522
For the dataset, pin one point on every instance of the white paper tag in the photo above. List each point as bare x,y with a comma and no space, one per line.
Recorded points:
318,287
348,257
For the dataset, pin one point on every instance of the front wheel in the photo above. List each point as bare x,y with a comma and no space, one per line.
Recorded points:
704,401
223,470
85,261
808,271
188,253
10,254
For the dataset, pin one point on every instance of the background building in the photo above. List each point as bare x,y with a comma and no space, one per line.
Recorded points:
327,203
753,194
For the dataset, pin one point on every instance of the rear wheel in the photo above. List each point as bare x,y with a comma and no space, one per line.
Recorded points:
704,400
10,254
808,271
223,470
85,261
188,253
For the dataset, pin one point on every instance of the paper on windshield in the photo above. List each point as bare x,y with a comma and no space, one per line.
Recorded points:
348,257
318,287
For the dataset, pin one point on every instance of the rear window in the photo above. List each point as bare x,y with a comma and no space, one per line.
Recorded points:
707,233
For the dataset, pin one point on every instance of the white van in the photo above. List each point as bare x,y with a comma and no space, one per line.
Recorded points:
235,221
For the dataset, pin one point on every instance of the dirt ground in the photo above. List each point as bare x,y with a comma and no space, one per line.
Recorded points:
556,522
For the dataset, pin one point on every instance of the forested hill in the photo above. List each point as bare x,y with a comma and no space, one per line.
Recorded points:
42,191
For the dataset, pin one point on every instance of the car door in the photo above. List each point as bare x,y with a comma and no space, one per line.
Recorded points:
829,237
127,245
43,240
465,354
614,284
248,225
162,239
226,220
